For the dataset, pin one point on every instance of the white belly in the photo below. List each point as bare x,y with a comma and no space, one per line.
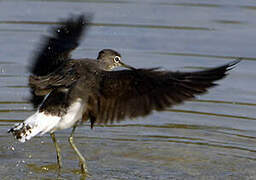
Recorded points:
41,122
74,114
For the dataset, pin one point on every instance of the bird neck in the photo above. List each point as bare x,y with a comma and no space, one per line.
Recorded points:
105,65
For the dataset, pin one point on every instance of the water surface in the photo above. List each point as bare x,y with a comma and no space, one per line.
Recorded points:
212,137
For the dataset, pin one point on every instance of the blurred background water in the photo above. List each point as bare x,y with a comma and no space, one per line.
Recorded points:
212,137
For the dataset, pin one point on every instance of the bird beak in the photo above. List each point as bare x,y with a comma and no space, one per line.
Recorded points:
127,66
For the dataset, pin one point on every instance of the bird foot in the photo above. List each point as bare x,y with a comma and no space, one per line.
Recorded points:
84,169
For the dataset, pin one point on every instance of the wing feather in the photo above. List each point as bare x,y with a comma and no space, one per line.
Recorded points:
133,93
53,52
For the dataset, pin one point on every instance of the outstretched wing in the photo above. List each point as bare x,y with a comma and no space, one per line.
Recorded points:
56,49
133,93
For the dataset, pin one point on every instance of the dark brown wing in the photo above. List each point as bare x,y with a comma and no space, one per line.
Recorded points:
56,49
64,76
136,93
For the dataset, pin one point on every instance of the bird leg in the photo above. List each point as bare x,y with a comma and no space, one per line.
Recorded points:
57,150
82,161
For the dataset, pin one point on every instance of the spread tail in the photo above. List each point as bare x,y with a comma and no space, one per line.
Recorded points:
33,125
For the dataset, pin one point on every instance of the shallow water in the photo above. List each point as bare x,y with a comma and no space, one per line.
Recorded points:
212,137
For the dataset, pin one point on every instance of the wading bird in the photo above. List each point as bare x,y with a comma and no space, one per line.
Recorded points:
69,91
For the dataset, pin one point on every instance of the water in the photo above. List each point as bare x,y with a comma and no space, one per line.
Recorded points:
212,137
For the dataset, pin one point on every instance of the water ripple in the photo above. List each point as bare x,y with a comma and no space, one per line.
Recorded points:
211,114
204,55
224,102
189,28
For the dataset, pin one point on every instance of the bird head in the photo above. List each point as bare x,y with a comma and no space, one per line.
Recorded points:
110,59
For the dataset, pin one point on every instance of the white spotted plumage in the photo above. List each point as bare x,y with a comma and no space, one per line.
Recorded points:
41,122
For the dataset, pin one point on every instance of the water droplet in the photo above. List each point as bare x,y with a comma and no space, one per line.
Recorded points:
45,168
2,70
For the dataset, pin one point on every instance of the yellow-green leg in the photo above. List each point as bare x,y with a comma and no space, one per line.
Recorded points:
57,150
82,161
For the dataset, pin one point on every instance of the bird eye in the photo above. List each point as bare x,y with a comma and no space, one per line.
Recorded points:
117,59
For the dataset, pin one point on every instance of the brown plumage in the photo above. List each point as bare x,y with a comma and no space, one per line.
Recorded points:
66,91
110,95
115,95
55,50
